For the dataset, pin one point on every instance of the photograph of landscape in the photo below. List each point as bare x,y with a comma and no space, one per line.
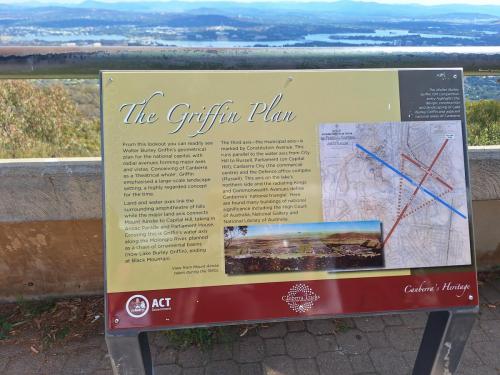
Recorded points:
328,246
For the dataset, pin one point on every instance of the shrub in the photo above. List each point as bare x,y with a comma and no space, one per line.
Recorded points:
483,122
43,122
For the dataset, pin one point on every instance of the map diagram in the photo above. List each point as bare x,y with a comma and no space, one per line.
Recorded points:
408,175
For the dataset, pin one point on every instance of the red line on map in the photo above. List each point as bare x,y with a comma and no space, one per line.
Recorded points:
424,168
402,167
415,192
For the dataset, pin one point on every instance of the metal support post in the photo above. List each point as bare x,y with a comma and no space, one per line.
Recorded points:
130,353
444,340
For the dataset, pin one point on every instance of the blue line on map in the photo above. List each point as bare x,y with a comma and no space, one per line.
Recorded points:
411,181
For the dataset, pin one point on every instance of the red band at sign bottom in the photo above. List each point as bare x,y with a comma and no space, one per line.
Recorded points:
166,308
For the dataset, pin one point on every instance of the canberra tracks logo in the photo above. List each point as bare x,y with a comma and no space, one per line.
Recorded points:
300,298
137,306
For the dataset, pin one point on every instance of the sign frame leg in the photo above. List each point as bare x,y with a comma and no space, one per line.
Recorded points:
443,342
130,353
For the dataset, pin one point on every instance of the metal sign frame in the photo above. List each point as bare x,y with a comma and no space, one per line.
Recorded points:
440,351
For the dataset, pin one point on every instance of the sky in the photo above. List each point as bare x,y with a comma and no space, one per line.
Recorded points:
334,227
423,2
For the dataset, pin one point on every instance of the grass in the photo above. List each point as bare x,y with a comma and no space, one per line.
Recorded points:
28,310
342,326
203,338
5,328
33,309
206,338
50,335
41,324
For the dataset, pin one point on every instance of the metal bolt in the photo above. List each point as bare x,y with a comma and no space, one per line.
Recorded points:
117,320
471,297
110,79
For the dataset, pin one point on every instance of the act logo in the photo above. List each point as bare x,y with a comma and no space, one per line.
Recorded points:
137,306
300,298
161,304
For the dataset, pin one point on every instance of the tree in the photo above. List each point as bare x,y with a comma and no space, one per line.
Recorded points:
38,121
231,232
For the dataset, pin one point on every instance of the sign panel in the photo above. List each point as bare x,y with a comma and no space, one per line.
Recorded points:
262,195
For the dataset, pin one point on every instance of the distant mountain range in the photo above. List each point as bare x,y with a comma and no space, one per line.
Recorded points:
346,9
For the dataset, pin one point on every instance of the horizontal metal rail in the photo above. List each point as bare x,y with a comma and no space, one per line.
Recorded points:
79,62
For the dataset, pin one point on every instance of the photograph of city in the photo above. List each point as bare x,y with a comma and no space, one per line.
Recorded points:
303,247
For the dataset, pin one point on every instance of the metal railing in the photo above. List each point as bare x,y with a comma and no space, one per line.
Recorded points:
78,62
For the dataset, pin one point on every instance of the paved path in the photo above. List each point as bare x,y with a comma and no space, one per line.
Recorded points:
375,345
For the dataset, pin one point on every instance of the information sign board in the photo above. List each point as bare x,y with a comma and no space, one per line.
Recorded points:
263,195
